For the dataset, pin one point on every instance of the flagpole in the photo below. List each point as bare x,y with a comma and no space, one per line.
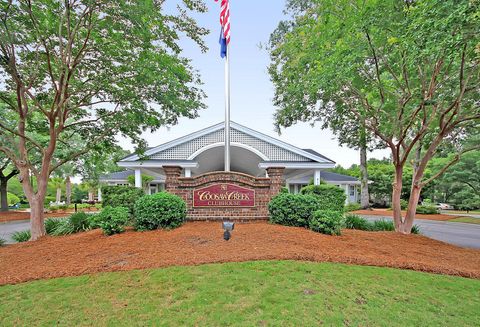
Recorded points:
227,110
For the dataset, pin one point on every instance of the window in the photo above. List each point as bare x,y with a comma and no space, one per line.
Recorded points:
351,189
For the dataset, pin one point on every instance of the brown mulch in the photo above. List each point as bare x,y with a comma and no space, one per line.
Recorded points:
389,213
202,242
16,215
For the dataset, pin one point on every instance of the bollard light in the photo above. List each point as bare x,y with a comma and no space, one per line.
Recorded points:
228,226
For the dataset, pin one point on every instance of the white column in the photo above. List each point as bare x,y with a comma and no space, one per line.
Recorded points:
138,178
347,200
316,177
188,172
99,194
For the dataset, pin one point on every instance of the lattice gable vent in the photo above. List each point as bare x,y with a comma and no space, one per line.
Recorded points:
185,150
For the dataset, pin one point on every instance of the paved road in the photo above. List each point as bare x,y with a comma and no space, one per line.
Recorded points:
7,229
462,234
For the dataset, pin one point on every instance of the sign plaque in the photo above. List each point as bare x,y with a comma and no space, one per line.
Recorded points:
224,195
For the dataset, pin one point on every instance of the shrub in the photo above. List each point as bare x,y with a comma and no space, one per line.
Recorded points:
357,222
284,190
2,241
52,224
63,227
79,221
327,222
93,220
382,225
121,196
330,197
352,207
21,236
427,209
12,199
292,209
160,210
112,220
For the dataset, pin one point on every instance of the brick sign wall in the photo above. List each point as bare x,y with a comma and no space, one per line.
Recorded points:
220,195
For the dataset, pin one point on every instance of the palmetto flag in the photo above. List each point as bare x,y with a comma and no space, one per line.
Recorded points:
225,24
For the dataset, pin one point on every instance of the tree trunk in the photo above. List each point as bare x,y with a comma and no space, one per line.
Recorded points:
58,198
364,194
396,196
37,219
3,195
68,190
91,196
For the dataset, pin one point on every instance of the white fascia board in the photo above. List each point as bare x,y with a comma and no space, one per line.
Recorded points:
295,165
156,164
343,182
178,141
279,143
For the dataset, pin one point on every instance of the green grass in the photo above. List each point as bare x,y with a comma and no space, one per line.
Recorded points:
275,293
469,220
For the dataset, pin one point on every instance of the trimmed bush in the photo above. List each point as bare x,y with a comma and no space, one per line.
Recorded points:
284,190
112,220
330,197
121,196
327,222
427,209
352,207
356,222
21,236
160,210
292,209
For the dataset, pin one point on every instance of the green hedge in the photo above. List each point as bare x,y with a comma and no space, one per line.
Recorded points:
427,209
292,209
330,197
121,196
113,220
352,207
160,210
328,222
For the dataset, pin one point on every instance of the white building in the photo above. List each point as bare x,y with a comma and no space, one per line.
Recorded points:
251,153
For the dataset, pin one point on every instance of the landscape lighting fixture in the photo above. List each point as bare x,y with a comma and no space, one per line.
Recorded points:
228,226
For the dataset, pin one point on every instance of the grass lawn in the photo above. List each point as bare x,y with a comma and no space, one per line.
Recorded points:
469,220
251,293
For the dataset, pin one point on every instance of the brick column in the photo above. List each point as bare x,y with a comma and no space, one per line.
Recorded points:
172,174
276,181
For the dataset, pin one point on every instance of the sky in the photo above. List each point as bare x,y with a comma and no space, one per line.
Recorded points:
251,89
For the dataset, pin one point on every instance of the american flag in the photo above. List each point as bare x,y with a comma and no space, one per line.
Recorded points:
225,23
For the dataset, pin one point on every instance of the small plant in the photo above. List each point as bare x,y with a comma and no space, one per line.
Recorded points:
292,209
79,221
330,197
160,210
53,208
63,207
352,207
63,227
327,222
382,225
3,241
21,236
357,222
112,220
52,224
415,229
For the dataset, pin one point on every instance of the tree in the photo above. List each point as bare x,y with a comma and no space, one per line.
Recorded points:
94,69
6,173
57,183
407,70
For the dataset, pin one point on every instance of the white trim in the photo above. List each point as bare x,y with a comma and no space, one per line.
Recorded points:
138,178
219,144
296,165
156,164
240,128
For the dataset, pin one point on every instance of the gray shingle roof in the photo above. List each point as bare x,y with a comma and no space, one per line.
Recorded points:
120,175
315,153
334,177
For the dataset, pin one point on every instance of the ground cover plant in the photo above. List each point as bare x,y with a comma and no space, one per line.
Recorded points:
160,210
360,223
252,293
21,236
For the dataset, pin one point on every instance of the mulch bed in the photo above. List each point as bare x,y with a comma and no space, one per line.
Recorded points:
15,215
201,242
389,213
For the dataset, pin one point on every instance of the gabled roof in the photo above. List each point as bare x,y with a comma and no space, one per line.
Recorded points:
308,154
334,177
